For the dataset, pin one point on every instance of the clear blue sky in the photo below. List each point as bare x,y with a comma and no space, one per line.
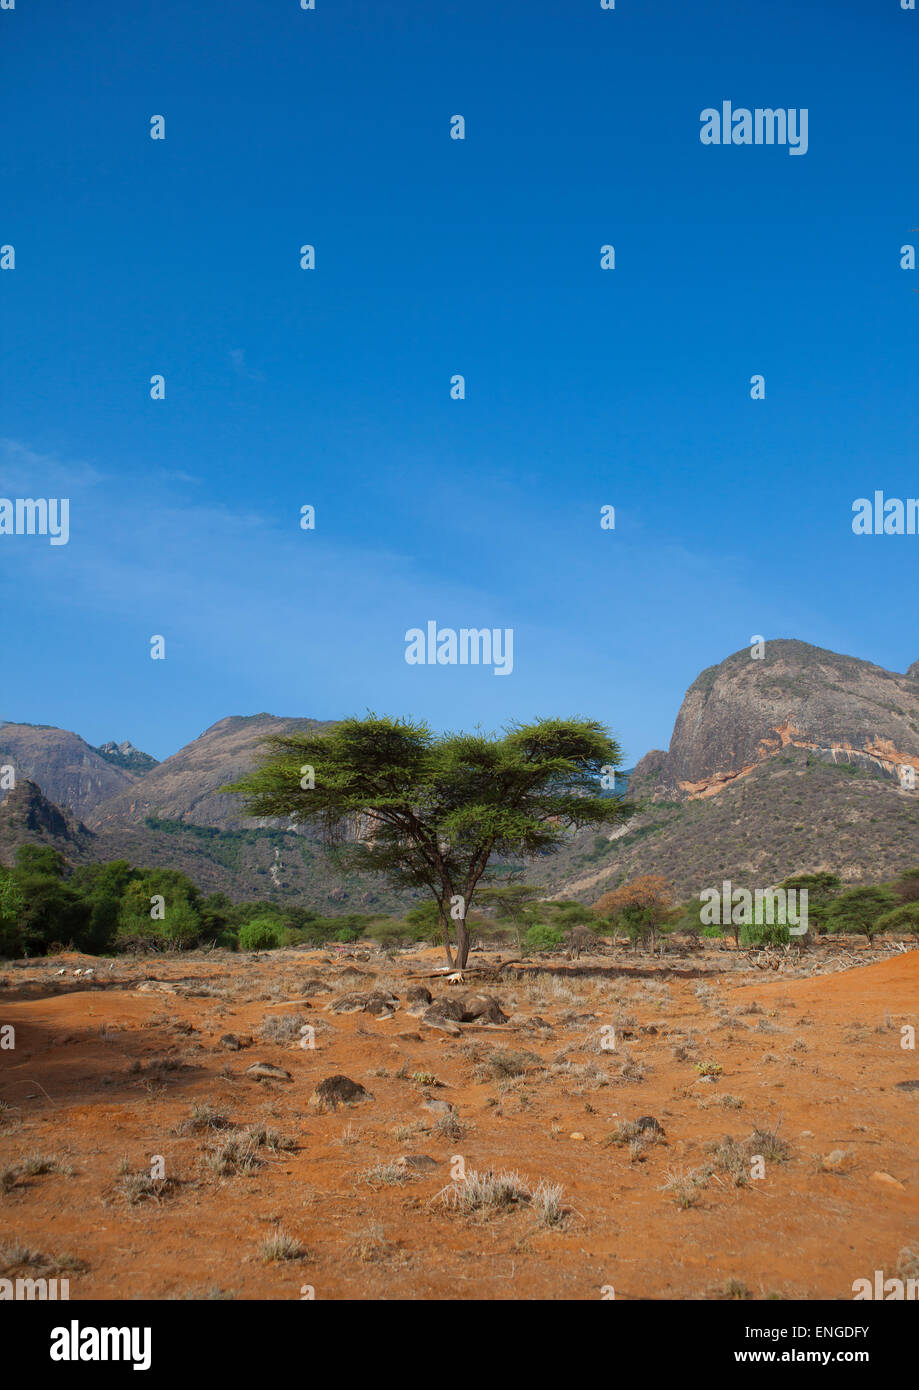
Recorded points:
436,257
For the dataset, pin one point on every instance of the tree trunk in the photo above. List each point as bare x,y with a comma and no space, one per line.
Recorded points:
445,923
462,944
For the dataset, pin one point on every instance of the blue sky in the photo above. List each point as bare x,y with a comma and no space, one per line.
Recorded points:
482,257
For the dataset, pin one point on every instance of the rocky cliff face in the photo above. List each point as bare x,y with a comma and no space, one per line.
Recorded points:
28,817
186,786
125,755
776,766
69,772
788,764
741,713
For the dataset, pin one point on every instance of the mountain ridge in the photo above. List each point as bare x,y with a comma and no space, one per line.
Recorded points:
793,762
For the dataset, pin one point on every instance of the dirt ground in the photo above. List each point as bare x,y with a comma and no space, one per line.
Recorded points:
126,1069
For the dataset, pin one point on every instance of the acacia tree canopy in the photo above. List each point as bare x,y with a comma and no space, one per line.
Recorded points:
435,811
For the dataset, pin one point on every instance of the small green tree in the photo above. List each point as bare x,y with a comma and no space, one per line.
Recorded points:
12,939
434,812
904,918
51,909
262,934
859,911
513,903
159,910
541,937
822,890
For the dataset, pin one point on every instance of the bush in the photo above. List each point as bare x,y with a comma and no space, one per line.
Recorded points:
901,919
764,934
262,934
860,911
540,937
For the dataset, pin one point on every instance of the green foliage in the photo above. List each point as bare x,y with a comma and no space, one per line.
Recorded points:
859,910
262,934
40,860
225,846
763,933
822,889
11,905
904,918
566,916
159,909
688,921
641,921
422,923
906,886
541,937
441,809
49,910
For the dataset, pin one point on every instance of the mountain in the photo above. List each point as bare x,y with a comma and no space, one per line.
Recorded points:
185,787
69,771
744,711
175,816
172,815
125,755
781,765
28,817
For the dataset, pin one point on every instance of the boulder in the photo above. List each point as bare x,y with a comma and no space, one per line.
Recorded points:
377,1002
267,1071
482,1008
338,1090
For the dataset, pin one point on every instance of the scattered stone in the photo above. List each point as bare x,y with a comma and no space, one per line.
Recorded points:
448,1006
443,1025
377,1003
576,1135
444,1014
267,1071
231,1042
479,1008
416,1162
352,972
338,1090
887,1180
838,1159
417,999
409,1037
439,1107
315,986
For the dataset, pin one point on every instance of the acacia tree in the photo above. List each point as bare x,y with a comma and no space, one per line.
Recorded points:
514,903
642,907
434,812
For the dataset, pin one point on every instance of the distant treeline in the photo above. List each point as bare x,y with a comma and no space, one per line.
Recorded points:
103,908
106,908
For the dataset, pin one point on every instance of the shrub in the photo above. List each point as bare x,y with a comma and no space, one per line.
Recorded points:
262,934
902,919
541,937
